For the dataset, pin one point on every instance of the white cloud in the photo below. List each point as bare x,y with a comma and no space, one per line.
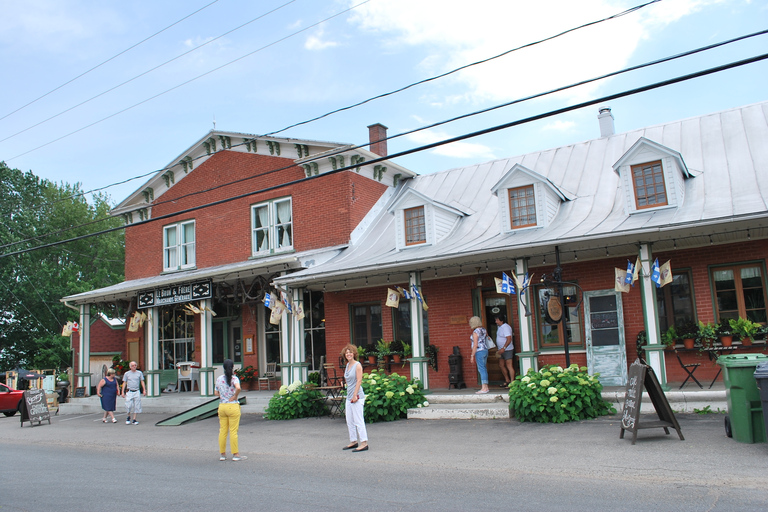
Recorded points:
316,42
455,149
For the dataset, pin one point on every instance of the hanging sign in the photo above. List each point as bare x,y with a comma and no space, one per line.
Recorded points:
176,294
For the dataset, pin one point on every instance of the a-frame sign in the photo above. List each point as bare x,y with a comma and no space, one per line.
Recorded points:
641,376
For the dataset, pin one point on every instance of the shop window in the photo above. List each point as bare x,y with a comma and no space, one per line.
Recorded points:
402,323
740,292
675,301
648,183
551,333
366,323
272,342
272,226
415,226
179,246
522,207
177,337
314,329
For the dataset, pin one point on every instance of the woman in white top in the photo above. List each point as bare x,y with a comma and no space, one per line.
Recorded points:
353,375
227,389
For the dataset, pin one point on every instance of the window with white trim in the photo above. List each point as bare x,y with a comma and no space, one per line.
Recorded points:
179,246
648,184
415,226
272,226
522,206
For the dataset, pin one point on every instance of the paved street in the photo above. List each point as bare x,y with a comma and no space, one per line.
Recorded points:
79,463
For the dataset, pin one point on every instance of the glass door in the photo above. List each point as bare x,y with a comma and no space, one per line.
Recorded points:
606,351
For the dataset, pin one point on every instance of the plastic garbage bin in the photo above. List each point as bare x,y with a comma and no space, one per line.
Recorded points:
761,379
745,411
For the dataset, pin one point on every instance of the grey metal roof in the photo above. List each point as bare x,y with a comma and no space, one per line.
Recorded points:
725,152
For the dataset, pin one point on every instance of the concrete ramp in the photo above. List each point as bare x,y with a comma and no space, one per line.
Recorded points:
200,412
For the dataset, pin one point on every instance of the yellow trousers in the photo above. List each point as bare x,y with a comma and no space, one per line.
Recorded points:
229,422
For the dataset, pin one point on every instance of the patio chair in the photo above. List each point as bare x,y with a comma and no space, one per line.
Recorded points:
689,368
188,372
269,376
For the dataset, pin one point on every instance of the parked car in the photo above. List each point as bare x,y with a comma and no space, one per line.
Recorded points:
10,400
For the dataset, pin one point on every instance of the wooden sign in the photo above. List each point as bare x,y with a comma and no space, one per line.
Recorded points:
34,407
642,376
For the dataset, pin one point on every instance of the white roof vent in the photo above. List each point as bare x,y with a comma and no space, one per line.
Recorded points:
606,122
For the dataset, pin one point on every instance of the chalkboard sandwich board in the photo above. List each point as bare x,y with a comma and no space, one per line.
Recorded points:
642,376
79,392
34,407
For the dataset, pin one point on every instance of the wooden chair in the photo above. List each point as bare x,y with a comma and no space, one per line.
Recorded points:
689,369
329,375
269,376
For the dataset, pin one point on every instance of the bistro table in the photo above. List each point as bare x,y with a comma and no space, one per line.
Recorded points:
332,397
713,352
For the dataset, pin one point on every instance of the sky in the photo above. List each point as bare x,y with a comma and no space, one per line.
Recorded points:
98,93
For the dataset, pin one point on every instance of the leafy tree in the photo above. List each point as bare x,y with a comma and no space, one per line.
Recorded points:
35,213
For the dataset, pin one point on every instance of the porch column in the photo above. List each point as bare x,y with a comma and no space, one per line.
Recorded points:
298,363
654,351
286,347
151,350
528,354
419,361
84,359
206,350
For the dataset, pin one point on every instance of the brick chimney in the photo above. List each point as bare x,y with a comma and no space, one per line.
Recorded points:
605,118
377,136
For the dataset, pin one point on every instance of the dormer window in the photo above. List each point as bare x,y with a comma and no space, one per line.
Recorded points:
415,226
648,183
522,207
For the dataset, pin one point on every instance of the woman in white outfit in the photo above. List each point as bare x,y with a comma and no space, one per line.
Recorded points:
353,375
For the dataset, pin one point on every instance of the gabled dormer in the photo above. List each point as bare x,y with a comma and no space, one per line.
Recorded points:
652,177
527,200
420,220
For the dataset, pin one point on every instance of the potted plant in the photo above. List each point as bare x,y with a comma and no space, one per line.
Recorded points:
370,352
688,331
707,334
407,350
431,353
745,329
397,350
361,354
382,347
246,376
669,337
725,333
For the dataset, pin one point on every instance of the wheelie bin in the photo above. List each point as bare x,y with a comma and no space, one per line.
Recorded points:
761,379
745,411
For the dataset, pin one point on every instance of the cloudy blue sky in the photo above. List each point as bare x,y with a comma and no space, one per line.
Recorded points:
259,66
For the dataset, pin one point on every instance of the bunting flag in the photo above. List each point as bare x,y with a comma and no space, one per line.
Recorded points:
75,327
517,282
499,284
67,329
656,274
268,300
418,296
133,325
286,302
526,282
393,298
666,273
507,286
403,293
142,319
299,311
636,271
630,273
277,312
620,282
192,308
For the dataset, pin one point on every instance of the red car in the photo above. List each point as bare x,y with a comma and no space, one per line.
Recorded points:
10,400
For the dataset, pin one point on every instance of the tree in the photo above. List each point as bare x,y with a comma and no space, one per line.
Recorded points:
33,213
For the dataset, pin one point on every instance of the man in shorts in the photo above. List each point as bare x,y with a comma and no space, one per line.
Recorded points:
506,349
133,389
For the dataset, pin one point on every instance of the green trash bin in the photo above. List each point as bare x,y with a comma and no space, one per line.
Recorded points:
745,410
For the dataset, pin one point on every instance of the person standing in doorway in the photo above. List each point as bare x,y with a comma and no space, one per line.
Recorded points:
479,352
133,389
353,375
108,390
506,349
227,389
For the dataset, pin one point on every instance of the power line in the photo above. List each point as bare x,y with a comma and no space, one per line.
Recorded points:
412,85
146,72
192,79
425,147
439,123
109,59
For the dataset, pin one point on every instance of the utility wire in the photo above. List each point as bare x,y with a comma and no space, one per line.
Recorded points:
146,72
610,97
349,148
414,84
192,79
109,59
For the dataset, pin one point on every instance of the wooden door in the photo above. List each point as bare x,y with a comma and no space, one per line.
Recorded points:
606,350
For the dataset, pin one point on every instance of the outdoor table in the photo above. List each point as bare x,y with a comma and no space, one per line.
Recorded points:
333,395
713,352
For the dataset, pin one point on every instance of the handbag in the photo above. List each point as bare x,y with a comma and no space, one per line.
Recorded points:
489,344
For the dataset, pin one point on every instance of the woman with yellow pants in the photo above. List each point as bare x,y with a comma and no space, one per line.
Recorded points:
227,389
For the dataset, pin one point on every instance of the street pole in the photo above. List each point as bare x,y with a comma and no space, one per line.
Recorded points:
558,275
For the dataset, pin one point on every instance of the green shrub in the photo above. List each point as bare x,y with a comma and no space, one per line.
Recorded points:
388,397
296,401
557,395
314,378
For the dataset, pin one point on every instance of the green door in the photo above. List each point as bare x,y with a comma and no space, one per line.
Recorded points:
606,350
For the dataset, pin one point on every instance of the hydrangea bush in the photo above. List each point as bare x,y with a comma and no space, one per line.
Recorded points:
388,397
296,401
557,395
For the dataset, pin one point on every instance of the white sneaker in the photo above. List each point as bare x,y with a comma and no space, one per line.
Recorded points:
128,421
239,457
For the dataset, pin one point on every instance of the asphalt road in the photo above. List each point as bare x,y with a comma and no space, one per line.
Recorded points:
79,463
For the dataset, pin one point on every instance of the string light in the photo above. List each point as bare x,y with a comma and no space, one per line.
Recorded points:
345,284
575,256
710,240
486,266
435,271
366,280
387,277
674,244
606,251
544,260
460,272
749,237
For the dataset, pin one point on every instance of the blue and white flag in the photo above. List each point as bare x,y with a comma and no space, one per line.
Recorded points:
656,273
630,272
524,285
507,286
286,301
418,296
268,300
404,293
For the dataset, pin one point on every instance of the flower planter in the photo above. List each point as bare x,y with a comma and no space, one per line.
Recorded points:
726,341
746,342
396,358
372,359
688,343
